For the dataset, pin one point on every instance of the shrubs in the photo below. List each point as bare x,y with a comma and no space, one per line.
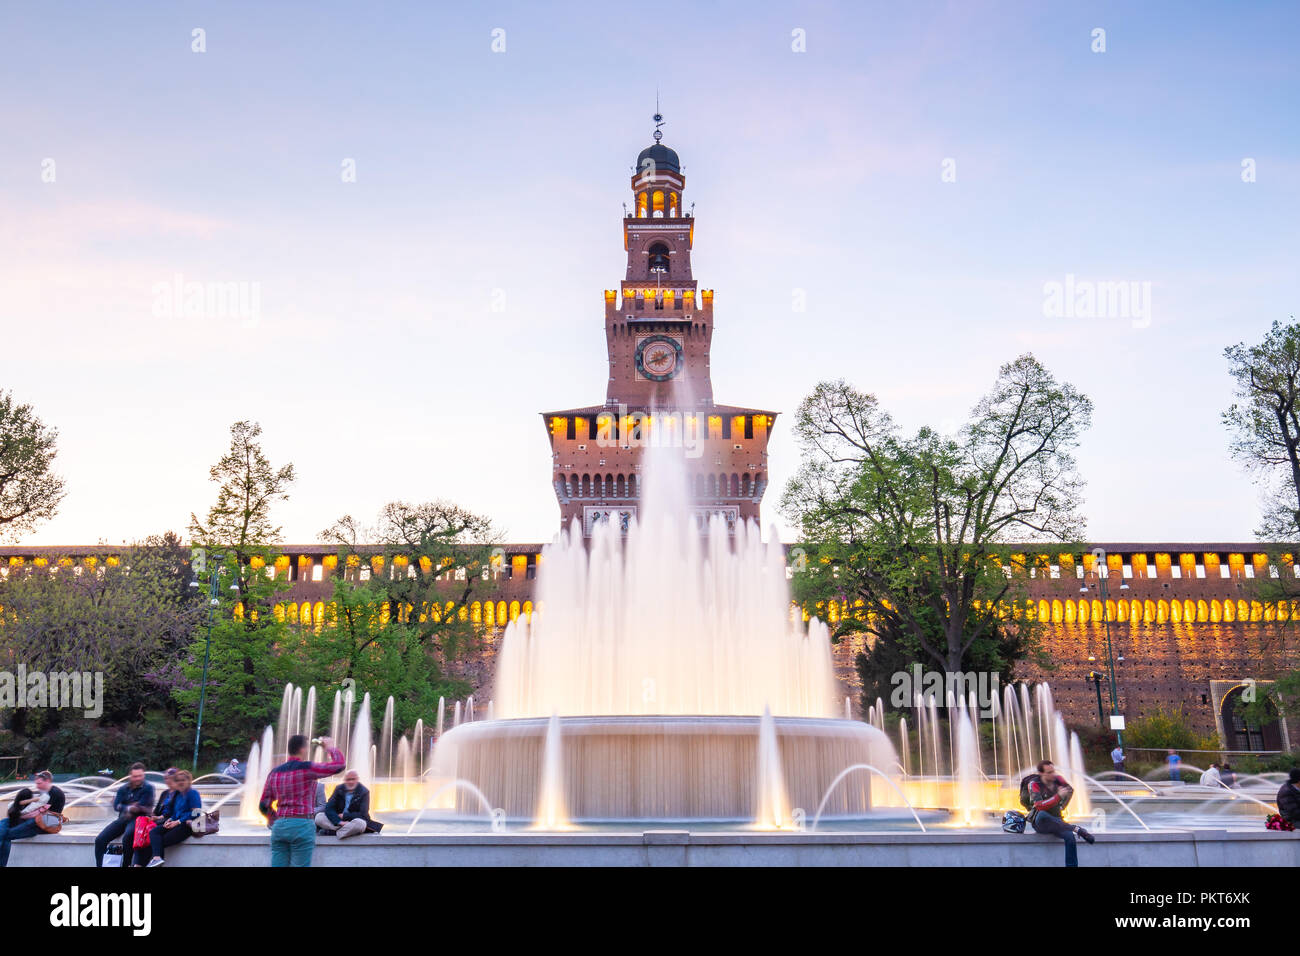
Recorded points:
86,746
1166,730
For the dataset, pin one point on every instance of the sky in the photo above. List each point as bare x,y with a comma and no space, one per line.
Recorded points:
422,205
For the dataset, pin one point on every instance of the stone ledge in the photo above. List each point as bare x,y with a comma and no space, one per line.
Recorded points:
1188,848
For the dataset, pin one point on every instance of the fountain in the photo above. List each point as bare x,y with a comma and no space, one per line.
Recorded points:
664,675
682,685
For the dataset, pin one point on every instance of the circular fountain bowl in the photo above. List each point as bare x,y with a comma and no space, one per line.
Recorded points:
665,768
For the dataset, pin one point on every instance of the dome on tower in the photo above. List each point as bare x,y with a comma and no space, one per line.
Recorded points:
661,156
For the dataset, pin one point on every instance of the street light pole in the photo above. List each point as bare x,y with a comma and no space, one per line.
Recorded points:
1103,573
1095,679
1110,656
213,602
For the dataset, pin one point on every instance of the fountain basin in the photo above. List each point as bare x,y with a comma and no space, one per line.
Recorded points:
665,767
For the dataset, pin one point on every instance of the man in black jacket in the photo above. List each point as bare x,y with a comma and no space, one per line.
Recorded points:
1288,798
348,811
133,798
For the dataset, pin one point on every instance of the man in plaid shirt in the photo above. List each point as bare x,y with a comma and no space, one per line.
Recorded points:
288,801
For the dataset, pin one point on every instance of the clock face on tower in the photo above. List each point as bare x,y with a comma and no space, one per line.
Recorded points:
658,357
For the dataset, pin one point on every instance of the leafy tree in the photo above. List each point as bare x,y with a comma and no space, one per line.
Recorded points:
435,560
235,542
128,619
29,490
385,654
1281,698
894,652
1264,424
902,529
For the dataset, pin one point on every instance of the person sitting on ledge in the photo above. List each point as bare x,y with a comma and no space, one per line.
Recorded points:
1049,794
20,823
1211,777
287,801
133,798
348,811
172,824
1288,798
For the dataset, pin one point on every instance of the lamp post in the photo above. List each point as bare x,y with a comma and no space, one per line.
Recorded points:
1103,573
214,584
1095,679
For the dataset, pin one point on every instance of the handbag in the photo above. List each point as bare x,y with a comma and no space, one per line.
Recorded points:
143,827
49,821
205,822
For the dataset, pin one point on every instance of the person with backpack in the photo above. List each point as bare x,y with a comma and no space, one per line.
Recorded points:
1045,795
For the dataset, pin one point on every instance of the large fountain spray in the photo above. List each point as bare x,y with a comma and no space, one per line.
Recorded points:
649,664
664,620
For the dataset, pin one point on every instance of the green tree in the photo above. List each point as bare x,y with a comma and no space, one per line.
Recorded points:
247,667
382,652
29,490
403,604
902,529
436,559
128,619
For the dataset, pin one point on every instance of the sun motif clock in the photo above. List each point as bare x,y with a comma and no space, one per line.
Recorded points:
658,357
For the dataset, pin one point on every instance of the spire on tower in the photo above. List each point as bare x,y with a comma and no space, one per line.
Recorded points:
658,118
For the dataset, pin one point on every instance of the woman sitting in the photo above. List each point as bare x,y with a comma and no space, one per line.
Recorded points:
178,807
22,799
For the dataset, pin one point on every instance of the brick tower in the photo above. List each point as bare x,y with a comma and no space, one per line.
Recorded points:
658,330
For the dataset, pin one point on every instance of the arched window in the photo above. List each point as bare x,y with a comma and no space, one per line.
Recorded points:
658,204
1245,735
658,262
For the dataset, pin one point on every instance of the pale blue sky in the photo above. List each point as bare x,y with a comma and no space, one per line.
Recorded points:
377,364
